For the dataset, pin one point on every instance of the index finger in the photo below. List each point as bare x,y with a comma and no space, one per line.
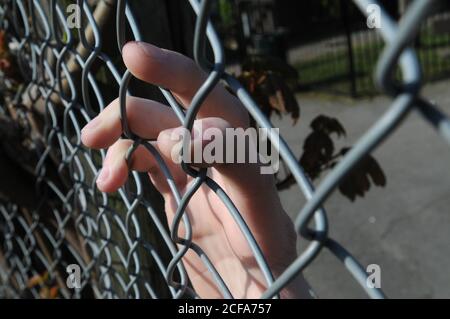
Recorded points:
180,75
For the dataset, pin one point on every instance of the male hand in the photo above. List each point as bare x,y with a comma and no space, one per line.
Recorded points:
214,229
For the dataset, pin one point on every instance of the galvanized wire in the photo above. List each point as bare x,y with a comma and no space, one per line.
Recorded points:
104,234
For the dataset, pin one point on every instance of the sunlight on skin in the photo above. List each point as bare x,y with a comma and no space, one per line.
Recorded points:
214,229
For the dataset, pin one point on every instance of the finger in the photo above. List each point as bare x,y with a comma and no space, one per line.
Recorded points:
183,77
115,168
214,143
237,162
241,180
205,132
146,118
114,172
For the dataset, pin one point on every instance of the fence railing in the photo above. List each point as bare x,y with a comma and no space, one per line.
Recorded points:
121,241
344,61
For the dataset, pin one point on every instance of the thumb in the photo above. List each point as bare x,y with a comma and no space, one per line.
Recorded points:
204,146
231,152
214,144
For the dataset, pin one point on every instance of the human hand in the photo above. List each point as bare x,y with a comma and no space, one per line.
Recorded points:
214,230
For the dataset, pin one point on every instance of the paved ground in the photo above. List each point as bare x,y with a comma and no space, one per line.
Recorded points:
404,227
333,45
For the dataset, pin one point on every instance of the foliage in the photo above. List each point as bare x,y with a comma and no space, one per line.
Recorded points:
226,13
270,82
8,66
266,80
47,287
357,183
318,149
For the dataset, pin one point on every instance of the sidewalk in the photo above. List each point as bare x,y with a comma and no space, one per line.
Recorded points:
404,227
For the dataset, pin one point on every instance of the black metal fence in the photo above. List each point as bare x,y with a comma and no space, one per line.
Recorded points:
330,45
345,63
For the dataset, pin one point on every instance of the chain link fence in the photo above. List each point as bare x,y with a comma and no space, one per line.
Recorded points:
122,242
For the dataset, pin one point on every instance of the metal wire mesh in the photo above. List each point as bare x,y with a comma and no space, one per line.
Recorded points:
106,234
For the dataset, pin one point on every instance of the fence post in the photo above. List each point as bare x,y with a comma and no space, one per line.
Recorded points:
348,37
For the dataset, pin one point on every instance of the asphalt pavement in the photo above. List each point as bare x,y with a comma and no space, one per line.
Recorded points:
403,227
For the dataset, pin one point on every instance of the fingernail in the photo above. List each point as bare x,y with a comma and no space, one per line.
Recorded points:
103,176
148,49
165,134
91,125
172,134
